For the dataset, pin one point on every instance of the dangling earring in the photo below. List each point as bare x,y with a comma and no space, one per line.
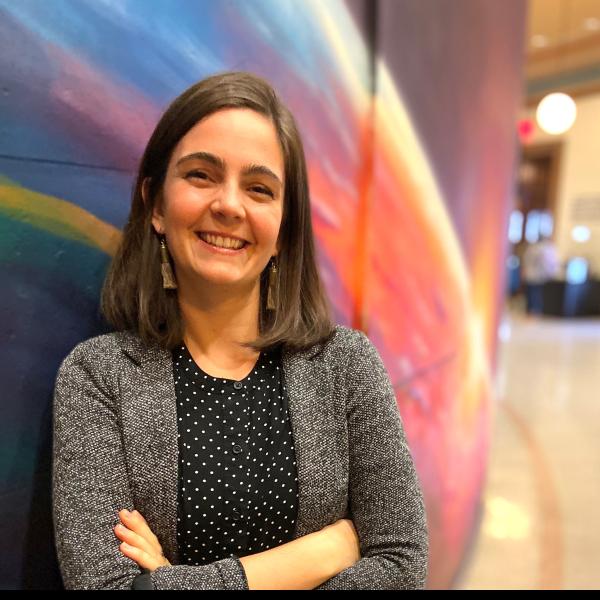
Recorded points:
165,267
272,290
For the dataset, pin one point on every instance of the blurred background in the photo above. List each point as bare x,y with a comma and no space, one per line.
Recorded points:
453,150
539,522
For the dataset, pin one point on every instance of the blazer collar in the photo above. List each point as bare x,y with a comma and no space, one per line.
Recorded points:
143,354
139,352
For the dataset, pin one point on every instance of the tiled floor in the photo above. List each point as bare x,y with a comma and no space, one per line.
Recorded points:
541,526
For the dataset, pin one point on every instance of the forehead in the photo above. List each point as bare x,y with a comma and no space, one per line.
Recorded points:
238,136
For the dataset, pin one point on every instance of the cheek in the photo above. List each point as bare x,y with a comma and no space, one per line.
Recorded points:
182,207
267,226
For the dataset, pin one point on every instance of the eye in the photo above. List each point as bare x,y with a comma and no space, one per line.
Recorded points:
197,175
263,190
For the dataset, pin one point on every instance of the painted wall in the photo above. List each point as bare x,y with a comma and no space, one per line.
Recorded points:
407,112
448,89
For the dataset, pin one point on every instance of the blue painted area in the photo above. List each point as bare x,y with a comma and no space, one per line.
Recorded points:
157,46
49,303
34,123
141,35
34,299
103,193
25,247
36,138
133,43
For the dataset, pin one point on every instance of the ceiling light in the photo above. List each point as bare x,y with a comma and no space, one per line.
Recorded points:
556,113
581,233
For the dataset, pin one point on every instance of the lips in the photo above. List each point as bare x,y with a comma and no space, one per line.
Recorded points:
209,240
223,235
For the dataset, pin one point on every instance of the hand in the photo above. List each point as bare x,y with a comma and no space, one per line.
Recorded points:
139,543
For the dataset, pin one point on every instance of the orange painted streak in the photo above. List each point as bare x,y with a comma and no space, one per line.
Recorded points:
335,240
362,281
487,261
57,216
411,256
400,205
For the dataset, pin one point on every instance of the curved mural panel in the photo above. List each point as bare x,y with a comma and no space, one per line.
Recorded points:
83,86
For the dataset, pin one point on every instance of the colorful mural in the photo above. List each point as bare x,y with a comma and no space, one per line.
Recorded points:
406,253
448,88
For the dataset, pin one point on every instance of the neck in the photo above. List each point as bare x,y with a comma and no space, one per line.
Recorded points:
218,318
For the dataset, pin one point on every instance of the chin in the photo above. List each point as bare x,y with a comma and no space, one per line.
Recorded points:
220,278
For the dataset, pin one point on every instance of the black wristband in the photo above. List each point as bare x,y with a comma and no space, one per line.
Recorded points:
143,581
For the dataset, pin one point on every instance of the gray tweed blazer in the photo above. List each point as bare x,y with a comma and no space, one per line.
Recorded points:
115,447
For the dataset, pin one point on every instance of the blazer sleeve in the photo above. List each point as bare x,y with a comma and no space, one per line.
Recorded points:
386,503
90,485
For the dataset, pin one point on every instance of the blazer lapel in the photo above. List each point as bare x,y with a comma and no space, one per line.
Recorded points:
320,458
150,428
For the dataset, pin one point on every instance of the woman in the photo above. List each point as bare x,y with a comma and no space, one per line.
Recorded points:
260,445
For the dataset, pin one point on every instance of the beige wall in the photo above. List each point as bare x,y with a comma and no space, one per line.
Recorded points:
579,177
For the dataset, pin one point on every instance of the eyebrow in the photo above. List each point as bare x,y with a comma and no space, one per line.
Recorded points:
251,169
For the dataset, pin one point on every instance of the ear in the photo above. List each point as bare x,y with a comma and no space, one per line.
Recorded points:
157,215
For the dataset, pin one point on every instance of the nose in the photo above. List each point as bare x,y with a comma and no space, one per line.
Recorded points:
229,201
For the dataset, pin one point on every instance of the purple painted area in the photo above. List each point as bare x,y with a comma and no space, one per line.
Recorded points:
456,72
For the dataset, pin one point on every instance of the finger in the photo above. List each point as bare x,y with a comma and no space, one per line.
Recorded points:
136,522
133,539
142,558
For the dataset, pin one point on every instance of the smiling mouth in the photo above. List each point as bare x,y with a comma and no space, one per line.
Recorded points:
222,242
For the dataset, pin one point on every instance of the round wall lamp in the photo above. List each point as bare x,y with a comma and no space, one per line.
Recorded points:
556,113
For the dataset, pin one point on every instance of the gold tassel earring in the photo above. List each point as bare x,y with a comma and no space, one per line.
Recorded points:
165,267
271,294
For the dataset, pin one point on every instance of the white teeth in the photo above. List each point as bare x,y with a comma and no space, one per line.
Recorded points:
217,240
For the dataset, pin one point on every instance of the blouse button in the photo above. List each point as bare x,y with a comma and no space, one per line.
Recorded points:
238,385
236,514
237,449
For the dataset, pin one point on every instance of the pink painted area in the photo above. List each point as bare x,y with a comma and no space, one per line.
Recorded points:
110,115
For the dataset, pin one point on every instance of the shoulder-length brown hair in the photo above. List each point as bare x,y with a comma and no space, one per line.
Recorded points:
133,297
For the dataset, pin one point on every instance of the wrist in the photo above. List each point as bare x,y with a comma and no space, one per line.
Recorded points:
333,554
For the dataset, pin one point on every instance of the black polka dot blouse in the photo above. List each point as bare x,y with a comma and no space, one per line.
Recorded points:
238,491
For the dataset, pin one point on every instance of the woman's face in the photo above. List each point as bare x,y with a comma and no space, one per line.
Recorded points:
226,175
